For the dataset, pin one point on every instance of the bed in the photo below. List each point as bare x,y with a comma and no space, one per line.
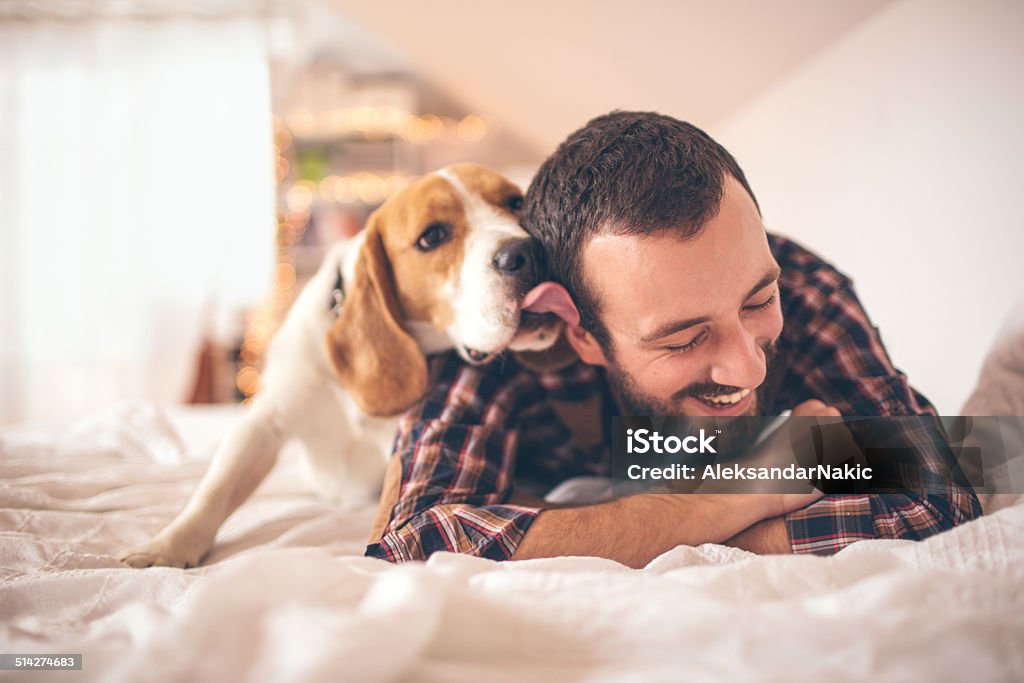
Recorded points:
287,595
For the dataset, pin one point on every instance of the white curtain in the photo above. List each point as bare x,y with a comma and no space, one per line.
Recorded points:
136,202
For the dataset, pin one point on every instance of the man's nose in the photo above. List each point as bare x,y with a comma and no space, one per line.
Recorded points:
519,258
739,361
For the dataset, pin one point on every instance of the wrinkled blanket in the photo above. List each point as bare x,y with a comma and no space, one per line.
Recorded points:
287,596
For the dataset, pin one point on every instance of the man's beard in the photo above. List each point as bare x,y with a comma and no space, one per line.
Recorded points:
736,439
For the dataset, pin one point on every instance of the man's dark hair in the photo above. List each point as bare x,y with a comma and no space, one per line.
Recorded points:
624,173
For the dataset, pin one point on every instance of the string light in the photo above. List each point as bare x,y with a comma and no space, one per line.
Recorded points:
248,381
346,190
327,187
472,128
371,187
299,196
282,167
374,123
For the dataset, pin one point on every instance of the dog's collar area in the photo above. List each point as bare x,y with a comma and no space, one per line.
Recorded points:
337,295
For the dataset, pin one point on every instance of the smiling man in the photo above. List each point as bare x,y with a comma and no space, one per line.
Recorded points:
677,302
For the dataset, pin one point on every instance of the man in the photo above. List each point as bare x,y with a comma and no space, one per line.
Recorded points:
679,303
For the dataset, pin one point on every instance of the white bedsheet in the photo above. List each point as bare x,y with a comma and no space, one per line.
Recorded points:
286,595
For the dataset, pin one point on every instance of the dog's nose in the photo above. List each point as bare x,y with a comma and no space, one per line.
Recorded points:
519,258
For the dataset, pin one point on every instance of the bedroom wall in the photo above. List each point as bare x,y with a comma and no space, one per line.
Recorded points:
895,154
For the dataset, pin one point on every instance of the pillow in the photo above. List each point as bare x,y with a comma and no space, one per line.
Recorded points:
1000,391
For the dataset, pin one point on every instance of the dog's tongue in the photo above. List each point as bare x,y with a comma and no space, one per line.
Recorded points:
551,297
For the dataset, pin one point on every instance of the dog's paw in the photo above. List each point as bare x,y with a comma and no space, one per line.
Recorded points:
167,551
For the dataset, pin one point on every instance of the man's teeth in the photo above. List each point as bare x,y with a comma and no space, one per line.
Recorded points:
726,399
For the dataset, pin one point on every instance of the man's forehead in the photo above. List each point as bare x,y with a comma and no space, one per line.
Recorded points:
633,268
735,228
632,274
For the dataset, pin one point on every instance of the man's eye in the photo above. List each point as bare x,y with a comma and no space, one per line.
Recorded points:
514,203
688,346
761,306
435,235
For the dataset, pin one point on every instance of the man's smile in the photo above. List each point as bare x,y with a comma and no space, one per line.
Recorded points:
738,403
723,400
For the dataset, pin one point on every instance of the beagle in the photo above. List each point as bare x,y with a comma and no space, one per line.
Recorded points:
442,264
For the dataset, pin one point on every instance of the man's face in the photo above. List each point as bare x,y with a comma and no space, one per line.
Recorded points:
692,323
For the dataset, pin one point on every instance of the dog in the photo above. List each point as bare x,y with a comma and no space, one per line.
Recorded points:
441,265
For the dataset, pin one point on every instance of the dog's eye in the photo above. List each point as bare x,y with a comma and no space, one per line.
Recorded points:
433,236
514,203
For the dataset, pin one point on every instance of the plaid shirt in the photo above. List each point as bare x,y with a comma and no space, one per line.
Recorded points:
480,430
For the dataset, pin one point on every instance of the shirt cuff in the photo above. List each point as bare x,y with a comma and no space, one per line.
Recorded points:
830,524
490,531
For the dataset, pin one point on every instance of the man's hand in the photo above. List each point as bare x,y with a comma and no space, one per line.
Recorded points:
815,408
770,536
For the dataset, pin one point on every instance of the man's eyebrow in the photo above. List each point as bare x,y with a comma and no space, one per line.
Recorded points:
672,327
769,277
680,325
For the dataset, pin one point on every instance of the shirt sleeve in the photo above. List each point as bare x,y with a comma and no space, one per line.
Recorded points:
928,495
457,449
846,365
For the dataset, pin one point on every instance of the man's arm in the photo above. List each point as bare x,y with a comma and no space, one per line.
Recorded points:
929,506
767,537
636,529
836,521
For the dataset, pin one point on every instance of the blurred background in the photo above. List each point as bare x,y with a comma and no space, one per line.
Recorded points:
170,171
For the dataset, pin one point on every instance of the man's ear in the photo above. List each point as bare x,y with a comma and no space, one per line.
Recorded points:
373,356
585,345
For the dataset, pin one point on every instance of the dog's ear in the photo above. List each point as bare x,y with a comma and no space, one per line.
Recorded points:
557,356
375,359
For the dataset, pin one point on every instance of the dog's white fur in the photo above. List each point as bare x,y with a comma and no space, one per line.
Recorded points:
484,316
301,398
